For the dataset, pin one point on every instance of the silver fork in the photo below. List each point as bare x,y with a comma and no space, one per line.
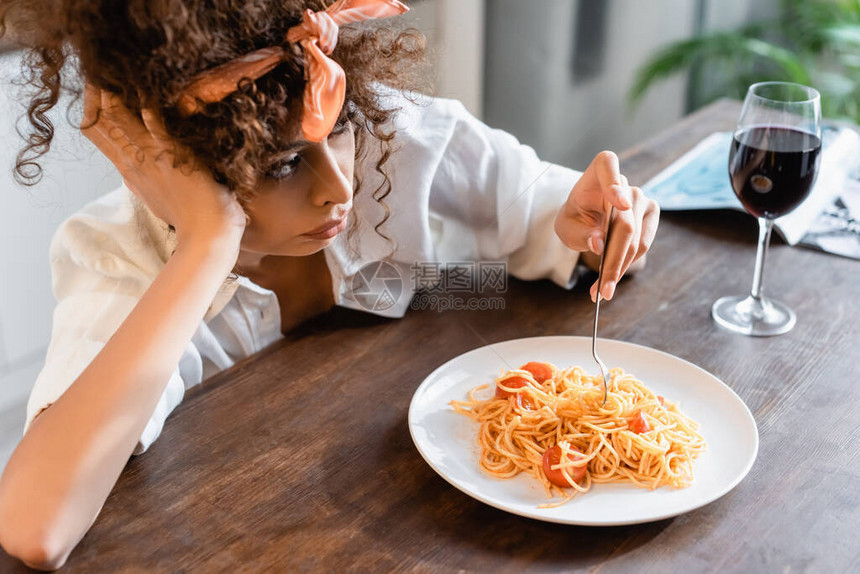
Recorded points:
603,369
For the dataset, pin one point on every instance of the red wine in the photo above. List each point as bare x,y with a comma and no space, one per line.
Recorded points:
772,168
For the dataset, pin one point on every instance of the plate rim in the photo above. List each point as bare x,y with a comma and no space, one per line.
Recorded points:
561,519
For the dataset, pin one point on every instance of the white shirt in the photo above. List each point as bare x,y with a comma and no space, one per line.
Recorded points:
461,191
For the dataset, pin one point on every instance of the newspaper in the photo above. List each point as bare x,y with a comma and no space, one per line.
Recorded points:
829,219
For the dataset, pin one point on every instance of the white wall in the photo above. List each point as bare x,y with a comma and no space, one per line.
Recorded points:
531,90
731,14
455,40
75,173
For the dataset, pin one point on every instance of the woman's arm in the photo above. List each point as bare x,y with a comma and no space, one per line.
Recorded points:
492,198
65,466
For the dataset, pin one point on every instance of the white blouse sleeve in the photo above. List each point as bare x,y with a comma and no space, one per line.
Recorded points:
96,286
493,199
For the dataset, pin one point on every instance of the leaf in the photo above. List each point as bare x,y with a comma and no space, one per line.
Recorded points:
788,61
835,85
843,35
804,23
724,46
814,42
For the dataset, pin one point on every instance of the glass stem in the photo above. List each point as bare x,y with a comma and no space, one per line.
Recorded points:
765,226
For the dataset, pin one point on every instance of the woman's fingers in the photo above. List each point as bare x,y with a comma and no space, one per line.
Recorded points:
582,221
630,238
131,124
582,218
152,122
596,236
93,122
633,248
614,185
573,232
121,135
92,104
118,133
125,129
649,225
647,216
620,237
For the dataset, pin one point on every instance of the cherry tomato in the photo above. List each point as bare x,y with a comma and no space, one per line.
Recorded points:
511,383
638,423
540,371
552,456
525,403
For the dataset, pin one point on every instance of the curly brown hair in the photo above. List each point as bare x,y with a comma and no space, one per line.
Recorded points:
147,51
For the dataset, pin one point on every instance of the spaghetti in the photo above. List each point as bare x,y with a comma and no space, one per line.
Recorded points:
551,423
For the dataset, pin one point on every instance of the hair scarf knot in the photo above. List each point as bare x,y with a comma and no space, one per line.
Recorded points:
325,87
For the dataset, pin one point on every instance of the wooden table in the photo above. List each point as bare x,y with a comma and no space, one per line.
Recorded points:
300,458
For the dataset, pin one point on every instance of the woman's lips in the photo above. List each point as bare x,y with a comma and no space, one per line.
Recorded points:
328,230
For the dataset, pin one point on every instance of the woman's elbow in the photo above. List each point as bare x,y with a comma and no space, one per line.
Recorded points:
34,550
37,545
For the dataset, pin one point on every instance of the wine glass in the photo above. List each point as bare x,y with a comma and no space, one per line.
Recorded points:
776,151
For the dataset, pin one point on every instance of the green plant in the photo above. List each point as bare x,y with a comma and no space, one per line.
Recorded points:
813,42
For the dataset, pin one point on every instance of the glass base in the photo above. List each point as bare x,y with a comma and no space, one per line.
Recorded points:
748,316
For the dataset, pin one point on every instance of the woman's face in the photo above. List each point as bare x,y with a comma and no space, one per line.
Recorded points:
303,205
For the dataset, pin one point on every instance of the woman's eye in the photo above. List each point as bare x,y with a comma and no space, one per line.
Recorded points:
287,168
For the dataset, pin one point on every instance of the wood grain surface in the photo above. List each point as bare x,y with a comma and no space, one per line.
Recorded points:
300,459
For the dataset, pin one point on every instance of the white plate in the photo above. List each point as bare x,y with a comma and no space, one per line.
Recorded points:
448,440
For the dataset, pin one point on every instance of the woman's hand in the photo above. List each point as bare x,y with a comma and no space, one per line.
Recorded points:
582,220
186,197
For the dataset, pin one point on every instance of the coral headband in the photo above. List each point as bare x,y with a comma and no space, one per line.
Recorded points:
325,79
